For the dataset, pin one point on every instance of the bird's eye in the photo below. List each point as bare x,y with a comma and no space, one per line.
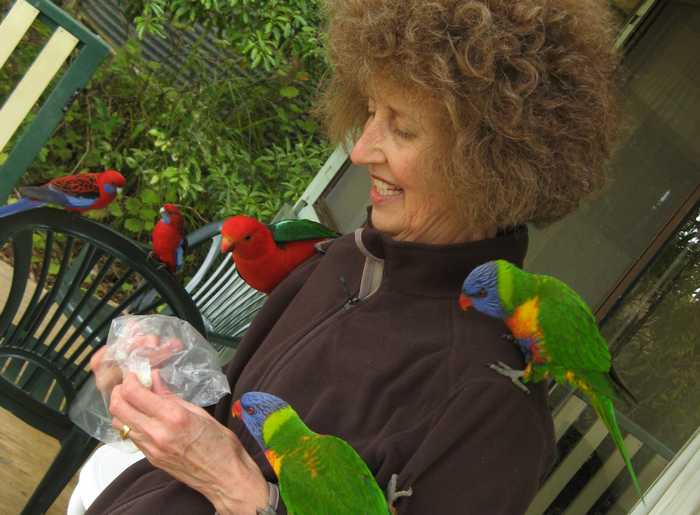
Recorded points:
251,411
482,292
247,237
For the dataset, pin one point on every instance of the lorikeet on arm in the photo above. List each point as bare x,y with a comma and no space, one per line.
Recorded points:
168,238
556,332
266,254
82,192
317,473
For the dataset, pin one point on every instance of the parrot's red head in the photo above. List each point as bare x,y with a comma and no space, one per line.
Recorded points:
245,236
170,214
111,181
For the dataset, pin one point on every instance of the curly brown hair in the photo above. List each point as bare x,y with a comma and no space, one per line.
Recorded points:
527,88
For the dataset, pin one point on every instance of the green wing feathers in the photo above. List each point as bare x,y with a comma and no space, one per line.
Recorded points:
570,331
286,231
324,475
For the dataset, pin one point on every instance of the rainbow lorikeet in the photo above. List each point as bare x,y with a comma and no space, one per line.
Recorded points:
265,254
556,332
82,192
168,238
316,473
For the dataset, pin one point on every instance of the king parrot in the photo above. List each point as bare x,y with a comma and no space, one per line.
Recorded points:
82,192
556,332
168,238
266,254
316,473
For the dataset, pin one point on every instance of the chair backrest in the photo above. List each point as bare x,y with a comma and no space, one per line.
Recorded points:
70,277
70,42
225,301
590,476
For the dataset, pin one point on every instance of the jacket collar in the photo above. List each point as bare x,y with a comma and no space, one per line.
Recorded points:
438,270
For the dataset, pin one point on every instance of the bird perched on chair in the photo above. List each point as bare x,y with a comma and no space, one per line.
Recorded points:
266,254
168,238
316,473
81,192
556,332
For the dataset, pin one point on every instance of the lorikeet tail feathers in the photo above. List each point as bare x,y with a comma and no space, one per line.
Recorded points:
23,204
604,408
621,387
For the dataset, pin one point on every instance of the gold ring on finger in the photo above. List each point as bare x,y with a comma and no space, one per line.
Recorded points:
124,432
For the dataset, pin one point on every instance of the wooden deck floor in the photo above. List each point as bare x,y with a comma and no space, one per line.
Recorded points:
25,453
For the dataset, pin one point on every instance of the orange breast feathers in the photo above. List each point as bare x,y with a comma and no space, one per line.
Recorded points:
523,323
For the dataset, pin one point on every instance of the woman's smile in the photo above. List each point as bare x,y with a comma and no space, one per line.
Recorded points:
383,191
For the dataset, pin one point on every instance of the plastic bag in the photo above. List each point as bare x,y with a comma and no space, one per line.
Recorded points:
188,366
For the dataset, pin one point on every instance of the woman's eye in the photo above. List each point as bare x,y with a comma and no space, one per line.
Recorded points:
403,134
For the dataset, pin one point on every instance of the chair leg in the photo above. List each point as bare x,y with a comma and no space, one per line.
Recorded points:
75,449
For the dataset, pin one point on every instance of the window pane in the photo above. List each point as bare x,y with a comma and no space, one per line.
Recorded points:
654,169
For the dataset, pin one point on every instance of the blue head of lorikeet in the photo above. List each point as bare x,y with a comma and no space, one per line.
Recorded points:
253,408
480,291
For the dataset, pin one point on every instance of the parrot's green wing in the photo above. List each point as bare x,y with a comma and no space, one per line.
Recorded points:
571,336
286,231
324,475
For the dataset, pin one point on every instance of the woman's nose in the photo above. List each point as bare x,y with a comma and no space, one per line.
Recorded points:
368,148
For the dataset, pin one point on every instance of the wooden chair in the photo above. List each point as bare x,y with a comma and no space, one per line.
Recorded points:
71,43
70,277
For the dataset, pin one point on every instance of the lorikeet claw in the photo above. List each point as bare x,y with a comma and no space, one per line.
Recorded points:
514,375
392,494
509,338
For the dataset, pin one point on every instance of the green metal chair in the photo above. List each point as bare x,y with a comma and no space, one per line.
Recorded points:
70,277
227,304
71,43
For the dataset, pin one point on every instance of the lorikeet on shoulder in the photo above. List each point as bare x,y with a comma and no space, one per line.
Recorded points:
556,332
266,254
317,473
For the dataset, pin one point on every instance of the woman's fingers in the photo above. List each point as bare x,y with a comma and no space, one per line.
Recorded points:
122,406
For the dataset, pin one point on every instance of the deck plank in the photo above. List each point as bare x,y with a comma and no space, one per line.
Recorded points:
25,455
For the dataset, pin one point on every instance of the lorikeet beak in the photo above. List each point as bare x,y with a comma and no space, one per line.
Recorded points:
236,409
119,191
226,244
464,302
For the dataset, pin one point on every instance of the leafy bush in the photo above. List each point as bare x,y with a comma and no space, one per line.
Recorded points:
219,143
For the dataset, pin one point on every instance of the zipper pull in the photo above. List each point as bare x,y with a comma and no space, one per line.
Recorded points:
352,299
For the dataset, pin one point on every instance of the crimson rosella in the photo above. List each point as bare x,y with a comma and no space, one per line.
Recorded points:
82,192
168,238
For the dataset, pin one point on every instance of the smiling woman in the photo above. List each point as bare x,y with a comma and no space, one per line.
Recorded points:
472,117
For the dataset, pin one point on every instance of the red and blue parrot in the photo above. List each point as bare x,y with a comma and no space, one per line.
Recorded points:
266,254
81,192
168,238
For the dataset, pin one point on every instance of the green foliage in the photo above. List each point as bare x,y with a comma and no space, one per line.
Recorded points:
220,138
279,35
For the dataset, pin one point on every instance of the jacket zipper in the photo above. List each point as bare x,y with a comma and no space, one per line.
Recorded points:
330,317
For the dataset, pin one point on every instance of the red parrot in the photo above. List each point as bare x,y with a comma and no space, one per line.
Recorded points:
265,254
168,238
82,192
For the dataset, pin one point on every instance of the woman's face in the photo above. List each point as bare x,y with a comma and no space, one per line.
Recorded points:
408,201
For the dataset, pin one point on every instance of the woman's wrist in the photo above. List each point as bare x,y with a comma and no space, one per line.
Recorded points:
239,490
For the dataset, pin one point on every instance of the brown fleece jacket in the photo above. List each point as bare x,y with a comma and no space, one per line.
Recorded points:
401,375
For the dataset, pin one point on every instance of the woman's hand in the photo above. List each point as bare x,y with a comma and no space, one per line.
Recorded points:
107,370
189,444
